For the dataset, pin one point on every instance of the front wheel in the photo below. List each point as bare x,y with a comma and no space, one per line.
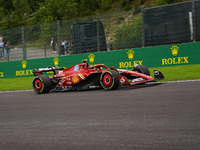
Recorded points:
42,84
141,69
109,79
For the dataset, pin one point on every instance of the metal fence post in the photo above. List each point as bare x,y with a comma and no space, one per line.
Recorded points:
191,26
45,50
23,43
8,54
143,35
98,36
194,20
58,28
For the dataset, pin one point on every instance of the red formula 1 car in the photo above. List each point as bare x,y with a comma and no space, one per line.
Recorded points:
82,76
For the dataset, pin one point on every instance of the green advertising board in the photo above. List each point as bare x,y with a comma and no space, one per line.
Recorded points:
160,56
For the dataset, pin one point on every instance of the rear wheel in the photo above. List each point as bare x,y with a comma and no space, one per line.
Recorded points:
109,79
42,84
141,69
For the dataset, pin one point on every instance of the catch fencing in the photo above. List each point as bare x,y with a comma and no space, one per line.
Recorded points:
168,24
174,23
82,35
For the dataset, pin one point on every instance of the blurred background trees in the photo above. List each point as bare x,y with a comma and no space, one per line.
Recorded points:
14,13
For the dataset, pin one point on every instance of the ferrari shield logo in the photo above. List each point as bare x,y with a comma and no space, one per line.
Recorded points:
56,61
174,50
24,64
91,58
130,54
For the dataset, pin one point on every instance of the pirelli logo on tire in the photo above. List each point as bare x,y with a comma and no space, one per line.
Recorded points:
109,79
38,85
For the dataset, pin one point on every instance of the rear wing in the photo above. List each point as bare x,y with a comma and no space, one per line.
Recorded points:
39,71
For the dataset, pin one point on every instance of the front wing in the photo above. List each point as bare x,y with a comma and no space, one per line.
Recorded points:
138,78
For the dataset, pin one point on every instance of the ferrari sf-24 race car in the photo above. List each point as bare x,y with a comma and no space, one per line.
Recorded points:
82,76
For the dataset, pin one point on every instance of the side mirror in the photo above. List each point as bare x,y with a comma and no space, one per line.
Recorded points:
113,67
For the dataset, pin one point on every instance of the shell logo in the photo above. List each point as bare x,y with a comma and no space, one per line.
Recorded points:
75,79
130,54
56,61
174,50
24,64
91,58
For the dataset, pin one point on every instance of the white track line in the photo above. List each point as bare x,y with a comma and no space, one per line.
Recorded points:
180,81
147,83
15,91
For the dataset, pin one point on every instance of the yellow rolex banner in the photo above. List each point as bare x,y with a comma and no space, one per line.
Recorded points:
159,56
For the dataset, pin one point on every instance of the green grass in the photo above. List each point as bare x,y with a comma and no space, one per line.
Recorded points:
189,72
11,84
176,73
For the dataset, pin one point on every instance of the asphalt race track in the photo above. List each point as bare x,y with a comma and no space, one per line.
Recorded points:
146,117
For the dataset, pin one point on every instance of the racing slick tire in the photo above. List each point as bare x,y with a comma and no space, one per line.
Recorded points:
42,84
110,79
141,69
